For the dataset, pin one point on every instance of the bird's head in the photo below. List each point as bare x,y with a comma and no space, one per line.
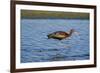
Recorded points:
73,30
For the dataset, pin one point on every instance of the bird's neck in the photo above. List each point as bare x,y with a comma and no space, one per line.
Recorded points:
70,33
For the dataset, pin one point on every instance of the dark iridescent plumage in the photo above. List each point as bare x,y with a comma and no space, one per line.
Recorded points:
60,34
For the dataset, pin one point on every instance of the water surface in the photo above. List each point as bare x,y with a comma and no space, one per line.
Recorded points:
36,47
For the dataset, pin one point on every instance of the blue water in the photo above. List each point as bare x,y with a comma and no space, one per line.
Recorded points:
36,47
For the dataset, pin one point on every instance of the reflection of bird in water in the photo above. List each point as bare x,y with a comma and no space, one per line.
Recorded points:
60,34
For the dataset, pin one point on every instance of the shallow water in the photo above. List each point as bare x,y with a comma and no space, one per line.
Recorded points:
36,47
